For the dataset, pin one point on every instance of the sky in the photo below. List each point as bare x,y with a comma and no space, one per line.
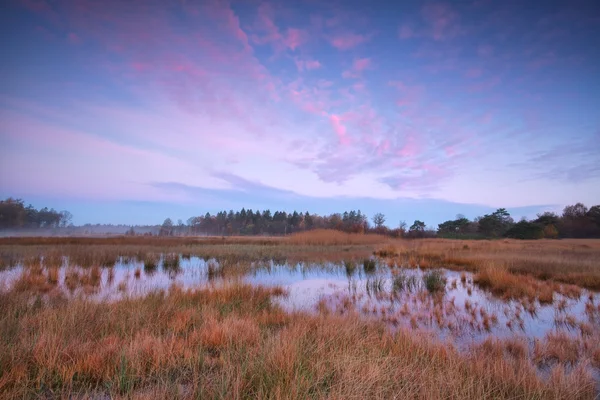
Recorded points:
134,111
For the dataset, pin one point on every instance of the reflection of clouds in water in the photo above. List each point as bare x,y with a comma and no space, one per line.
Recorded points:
304,295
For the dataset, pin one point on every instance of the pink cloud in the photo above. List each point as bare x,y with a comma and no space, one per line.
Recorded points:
312,64
383,147
347,40
339,129
450,150
295,37
410,148
410,96
73,38
361,64
442,20
358,66
270,33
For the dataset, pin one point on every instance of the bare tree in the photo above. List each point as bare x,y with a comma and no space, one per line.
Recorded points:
379,220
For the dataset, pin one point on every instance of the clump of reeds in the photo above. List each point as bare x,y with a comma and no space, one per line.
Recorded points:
369,265
387,251
558,347
374,285
171,262
214,270
403,281
350,267
434,281
32,279
150,265
53,275
503,283
72,279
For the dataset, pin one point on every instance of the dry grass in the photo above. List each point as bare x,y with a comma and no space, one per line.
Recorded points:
230,341
503,283
326,237
570,262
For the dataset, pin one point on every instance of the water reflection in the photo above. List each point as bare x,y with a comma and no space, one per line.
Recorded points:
445,303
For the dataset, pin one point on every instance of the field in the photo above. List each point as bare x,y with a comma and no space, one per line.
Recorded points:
321,314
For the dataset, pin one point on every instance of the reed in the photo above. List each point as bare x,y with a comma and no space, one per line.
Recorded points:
232,341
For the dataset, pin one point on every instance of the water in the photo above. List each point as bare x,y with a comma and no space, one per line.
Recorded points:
461,312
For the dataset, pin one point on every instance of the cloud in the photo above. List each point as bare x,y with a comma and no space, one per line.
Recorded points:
442,20
268,32
358,66
577,161
254,89
73,38
339,129
346,41
307,65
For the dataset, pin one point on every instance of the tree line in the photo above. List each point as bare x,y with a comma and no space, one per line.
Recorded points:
575,221
14,215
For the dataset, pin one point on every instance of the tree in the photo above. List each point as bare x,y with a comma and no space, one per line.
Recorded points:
65,218
378,220
575,211
454,227
495,224
167,228
594,214
525,230
547,218
550,232
417,226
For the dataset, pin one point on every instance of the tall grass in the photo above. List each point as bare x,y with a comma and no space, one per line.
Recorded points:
231,341
401,281
507,285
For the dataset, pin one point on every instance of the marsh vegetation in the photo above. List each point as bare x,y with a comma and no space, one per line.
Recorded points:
333,315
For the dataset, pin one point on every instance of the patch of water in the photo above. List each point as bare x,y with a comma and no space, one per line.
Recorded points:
460,311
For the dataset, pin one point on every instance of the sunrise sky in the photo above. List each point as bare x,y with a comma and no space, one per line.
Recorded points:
133,111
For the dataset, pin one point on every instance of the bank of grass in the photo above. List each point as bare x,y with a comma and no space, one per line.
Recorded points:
331,237
231,341
511,268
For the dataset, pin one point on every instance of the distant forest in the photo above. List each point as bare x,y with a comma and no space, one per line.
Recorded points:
576,221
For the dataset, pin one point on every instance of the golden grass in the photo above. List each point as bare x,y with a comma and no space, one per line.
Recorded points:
230,341
325,237
503,283
568,261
